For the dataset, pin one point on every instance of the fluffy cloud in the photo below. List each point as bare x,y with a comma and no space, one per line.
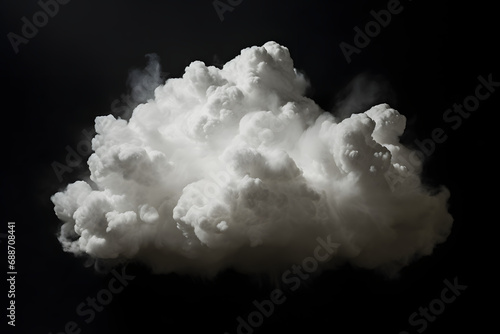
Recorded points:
235,167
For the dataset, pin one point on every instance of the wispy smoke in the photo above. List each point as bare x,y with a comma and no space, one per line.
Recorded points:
142,83
362,92
235,167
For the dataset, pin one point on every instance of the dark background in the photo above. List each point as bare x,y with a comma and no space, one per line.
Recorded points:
74,68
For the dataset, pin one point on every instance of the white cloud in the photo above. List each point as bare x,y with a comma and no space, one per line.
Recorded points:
235,167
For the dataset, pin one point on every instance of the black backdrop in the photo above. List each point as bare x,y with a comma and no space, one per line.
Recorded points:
76,65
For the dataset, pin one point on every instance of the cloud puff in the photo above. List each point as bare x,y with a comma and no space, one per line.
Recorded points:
235,167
